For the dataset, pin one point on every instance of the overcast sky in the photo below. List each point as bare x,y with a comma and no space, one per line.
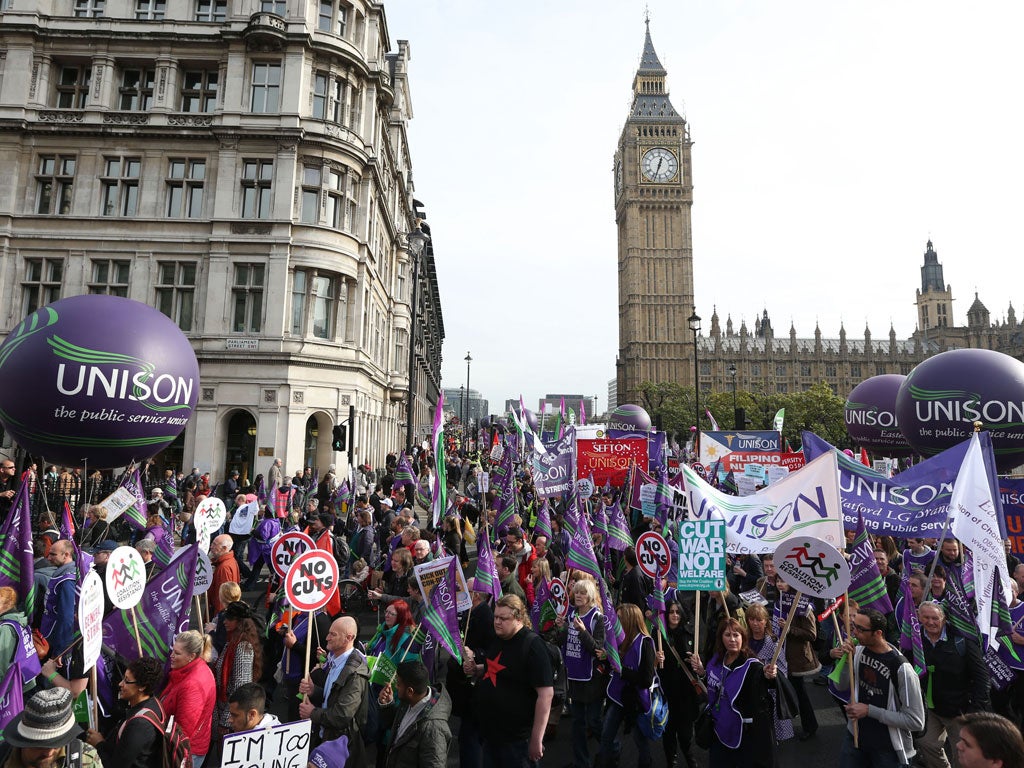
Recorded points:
831,141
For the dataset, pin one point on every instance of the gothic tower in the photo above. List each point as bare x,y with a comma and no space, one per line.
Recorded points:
934,299
653,197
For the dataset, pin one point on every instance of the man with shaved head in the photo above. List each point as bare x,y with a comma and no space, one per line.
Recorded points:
340,687
225,569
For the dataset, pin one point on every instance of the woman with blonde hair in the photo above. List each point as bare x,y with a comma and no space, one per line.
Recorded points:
763,643
581,635
629,692
191,691
96,526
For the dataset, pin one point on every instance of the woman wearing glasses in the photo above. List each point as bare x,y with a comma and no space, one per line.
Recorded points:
135,743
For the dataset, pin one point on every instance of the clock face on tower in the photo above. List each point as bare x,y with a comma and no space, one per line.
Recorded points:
659,164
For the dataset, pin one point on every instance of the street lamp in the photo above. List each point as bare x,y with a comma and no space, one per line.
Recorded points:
469,360
735,416
694,322
416,243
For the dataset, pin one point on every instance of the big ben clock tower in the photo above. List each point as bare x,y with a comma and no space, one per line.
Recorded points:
653,196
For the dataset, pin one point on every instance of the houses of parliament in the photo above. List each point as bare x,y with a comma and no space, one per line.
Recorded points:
653,193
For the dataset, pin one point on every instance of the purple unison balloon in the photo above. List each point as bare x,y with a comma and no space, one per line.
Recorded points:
97,379
870,415
531,419
626,419
943,396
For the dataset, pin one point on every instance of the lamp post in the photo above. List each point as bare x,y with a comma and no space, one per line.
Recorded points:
469,359
416,242
694,322
735,416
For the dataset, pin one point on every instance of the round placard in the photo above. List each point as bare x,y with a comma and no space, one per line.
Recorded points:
652,554
126,577
90,618
286,548
560,596
210,514
812,566
204,574
586,487
311,580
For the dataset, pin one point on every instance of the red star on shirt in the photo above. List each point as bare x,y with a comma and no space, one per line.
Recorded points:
494,666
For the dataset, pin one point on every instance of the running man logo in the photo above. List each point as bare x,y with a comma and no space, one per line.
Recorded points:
812,566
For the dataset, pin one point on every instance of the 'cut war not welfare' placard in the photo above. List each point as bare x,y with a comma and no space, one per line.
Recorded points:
701,555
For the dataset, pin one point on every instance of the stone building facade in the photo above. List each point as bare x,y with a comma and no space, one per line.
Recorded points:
243,166
653,192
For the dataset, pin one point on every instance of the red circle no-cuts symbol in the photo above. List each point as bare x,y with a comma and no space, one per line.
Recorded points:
312,580
652,554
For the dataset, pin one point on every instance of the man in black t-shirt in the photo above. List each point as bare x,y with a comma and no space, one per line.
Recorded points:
886,704
515,686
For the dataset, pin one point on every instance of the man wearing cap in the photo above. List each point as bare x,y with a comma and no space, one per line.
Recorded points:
231,486
157,506
45,734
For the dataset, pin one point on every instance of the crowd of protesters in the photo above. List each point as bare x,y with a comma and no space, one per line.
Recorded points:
603,657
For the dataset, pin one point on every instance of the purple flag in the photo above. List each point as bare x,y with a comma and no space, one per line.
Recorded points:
136,513
162,613
640,479
486,578
614,634
261,490
17,565
910,627
619,538
581,546
503,483
543,526
67,523
403,472
441,618
554,471
866,585
561,417
11,699
583,414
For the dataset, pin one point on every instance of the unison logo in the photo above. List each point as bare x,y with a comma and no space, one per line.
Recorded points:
949,406
113,376
869,416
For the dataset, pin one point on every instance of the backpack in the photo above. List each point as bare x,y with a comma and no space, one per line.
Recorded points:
341,551
175,747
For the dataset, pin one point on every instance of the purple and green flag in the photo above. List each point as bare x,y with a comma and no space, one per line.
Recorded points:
136,513
486,578
543,609
910,627
17,564
162,613
656,602
441,618
403,471
619,538
581,545
866,585
614,633
543,526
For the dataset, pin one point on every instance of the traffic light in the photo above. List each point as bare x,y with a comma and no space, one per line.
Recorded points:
338,441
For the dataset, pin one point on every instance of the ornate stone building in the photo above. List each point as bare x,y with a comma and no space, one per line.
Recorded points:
653,196
243,166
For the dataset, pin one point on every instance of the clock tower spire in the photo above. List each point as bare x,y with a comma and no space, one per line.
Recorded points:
653,197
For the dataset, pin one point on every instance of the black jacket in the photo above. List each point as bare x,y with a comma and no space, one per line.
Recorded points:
959,680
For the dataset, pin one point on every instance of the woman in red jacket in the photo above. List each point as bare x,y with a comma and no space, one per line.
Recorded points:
191,692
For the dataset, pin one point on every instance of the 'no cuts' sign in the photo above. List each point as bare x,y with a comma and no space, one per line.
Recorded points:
312,580
652,554
286,548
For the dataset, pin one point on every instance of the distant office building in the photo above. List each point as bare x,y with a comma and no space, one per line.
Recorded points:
454,402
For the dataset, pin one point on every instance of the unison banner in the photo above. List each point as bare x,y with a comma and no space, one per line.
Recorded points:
717,445
1011,489
913,503
804,503
553,472
609,460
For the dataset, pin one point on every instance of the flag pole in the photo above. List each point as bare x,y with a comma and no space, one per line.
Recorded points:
696,622
309,640
785,629
853,692
135,623
95,698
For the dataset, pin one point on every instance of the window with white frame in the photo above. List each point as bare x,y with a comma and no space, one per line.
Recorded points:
211,10
89,9
311,176
55,182
401,350
137,90
185,180
41,284
73,86
110,276
257,180
333,17
266,87
322,296
335,198
199,90
120,184
150,10
176,291
278,7
247,298
320,81
339,91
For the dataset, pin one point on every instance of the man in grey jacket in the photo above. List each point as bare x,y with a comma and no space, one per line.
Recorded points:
885,704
